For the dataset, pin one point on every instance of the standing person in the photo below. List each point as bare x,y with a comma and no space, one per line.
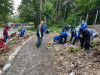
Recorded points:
5,33
85,38
40,34
75,33
69,29
9,24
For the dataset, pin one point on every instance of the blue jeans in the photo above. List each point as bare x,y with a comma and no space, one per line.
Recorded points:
5,38
39,41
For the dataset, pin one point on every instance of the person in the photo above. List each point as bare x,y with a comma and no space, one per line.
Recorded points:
39,34
69,29
44,28
13,25
85,38
2,45
93,33
63,37
9,24
75,33
83,25
5,32
65,28
57,39
22,32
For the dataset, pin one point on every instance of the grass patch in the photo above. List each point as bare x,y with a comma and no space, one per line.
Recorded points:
54,28
11,42
1,26
31,29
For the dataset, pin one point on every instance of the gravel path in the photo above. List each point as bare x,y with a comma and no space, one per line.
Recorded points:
33,61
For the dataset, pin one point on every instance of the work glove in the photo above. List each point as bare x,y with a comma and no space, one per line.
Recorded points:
40,36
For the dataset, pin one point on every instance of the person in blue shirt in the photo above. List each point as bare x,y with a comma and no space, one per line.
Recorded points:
22,32
83,25
93,33
57,38
76,34
44,28
63,37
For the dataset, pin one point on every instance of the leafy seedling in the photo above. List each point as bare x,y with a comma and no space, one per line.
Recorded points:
11,42
73,49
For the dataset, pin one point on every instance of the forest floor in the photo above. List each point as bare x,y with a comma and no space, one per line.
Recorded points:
81,63
50,59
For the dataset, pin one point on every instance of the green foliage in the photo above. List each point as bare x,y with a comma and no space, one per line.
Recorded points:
94,43
13,19
48,9
73,49
98,49
6,7
49,46
56,11
11,42
54,28
31,29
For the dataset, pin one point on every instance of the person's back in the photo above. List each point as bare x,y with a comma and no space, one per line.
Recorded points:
44,27
92,32
23,31
64,34
57,37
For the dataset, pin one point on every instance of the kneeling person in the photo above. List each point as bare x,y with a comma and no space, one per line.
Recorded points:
22,32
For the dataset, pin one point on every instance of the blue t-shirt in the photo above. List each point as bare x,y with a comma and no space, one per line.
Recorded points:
23,31
57,37
83,26
64,34
44,27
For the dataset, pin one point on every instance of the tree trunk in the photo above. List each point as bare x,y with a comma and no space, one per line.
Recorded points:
40,10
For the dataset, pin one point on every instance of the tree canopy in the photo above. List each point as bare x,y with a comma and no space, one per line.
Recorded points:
6,8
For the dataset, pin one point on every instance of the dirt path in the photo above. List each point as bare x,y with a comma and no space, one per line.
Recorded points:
33,61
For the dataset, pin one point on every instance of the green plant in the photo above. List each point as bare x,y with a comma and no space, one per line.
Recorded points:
49,46
99,49
73,49
15,38
94,43
11,42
